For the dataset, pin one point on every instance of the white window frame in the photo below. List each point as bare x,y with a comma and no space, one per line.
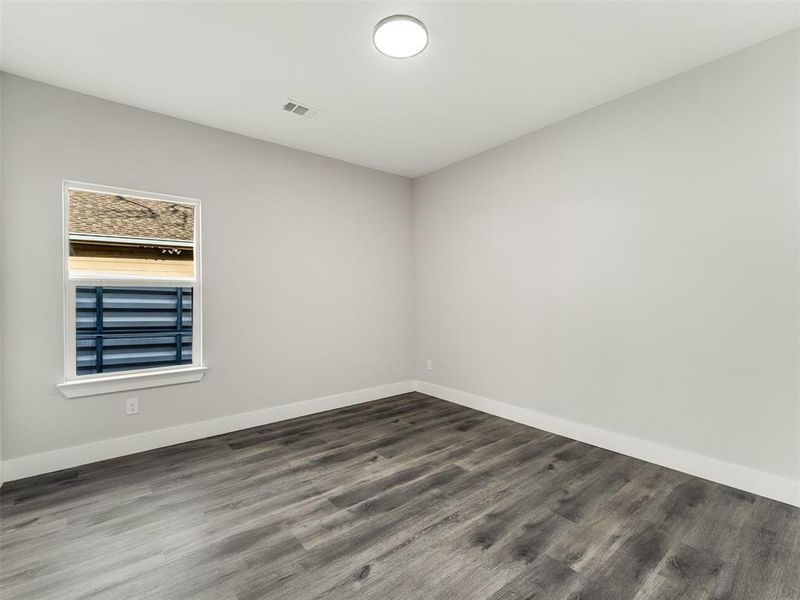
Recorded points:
75,385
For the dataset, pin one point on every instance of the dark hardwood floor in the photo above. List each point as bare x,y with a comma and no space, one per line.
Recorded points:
404,498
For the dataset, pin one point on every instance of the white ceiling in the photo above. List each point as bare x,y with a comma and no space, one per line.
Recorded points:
492,72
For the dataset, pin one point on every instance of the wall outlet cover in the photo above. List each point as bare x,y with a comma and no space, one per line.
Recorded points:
132,406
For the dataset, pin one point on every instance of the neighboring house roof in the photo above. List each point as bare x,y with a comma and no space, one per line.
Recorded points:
99,214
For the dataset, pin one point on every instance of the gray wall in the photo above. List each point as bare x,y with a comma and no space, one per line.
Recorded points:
307,266
634,268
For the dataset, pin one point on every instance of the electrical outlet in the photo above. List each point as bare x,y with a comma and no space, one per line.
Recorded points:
132,406
429,365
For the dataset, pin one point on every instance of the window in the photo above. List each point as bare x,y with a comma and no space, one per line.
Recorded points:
132,287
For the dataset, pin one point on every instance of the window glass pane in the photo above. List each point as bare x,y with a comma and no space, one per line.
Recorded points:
125,235
128,328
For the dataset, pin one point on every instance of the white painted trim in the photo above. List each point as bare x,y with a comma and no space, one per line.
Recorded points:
127,241
65,458
108,384
772,486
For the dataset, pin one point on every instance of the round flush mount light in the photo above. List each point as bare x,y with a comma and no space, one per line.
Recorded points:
400,36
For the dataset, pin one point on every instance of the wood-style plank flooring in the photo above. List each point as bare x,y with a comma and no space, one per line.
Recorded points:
404,498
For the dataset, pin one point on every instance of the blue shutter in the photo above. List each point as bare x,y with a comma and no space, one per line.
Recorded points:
127,328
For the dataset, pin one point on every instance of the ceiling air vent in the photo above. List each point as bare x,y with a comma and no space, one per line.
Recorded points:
301,110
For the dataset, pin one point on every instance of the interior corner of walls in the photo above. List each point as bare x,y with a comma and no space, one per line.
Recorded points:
776,487
75,456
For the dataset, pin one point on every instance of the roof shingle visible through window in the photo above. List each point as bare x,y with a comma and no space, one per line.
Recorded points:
93,213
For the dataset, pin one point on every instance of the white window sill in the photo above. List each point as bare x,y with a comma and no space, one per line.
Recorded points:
108,384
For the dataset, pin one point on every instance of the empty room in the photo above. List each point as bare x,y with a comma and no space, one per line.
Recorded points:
365,300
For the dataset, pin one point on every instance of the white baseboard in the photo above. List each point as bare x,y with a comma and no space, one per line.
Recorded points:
744,478
65,458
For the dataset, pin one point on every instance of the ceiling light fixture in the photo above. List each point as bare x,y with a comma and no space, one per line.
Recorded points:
400,36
